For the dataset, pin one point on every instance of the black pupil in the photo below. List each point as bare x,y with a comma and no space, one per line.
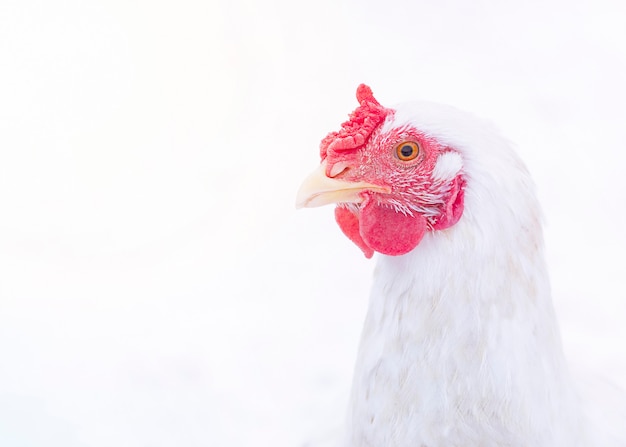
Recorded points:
406,150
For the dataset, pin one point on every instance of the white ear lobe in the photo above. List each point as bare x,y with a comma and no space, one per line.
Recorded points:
448,166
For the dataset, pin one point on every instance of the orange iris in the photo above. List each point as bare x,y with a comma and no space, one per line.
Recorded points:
407,150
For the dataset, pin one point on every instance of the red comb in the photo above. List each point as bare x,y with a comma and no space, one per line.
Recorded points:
355,132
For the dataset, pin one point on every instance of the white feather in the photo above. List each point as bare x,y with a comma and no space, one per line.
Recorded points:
460,346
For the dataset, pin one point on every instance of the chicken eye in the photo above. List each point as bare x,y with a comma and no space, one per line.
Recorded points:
407,150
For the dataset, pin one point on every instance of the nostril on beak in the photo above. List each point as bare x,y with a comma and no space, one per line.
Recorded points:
337,169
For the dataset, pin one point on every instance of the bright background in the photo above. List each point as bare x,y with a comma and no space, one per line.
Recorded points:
157,287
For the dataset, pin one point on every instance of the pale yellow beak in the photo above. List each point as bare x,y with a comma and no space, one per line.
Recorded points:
318,189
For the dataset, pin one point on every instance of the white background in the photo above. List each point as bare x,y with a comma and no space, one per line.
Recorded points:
157,286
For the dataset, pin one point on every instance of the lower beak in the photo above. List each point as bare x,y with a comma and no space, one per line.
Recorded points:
318,189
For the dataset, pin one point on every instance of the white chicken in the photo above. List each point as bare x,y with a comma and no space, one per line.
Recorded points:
460,346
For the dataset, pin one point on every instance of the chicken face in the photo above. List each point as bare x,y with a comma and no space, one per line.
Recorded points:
391,182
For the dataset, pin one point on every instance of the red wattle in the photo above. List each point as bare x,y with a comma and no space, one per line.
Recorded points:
383,229
349,223
389,232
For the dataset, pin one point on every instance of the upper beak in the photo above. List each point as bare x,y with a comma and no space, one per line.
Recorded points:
318,189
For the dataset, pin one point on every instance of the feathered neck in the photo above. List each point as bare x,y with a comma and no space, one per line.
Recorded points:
460,345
